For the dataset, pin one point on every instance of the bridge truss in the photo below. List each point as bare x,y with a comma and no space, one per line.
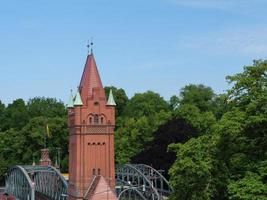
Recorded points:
139,181
27,182
133,181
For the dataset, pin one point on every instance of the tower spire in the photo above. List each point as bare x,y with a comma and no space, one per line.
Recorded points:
90,80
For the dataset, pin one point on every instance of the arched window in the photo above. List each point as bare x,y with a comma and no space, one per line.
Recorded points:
96,120
90,120
98,171
102,120
94,172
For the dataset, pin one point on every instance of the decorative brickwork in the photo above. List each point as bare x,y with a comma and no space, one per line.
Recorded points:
91,140
45,159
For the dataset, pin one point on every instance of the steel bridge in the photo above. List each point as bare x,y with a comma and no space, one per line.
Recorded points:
133,181
28,182
139,181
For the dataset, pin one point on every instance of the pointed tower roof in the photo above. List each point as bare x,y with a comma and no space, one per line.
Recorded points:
78,100
111,101
71,102
90,79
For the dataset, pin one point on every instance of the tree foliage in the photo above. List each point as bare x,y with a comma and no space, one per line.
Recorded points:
145,104
156,154
199,95
229,161
24,132
214,146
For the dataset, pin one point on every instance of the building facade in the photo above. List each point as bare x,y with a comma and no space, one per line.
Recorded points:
91,122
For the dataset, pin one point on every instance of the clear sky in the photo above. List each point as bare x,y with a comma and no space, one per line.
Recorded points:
139,45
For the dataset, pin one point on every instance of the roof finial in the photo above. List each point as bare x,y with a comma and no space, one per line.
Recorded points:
88,46
91,44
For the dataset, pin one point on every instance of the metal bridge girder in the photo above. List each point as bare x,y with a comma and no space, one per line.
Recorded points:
23,181
144,179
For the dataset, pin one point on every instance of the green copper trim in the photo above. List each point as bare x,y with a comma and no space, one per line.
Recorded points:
71,102
111,101
78,100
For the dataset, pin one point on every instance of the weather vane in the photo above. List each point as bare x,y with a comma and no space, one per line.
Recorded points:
90,44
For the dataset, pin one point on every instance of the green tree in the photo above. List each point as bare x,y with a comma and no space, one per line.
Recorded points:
202,121
249,92
199,95
233,151
130,137
16,115
174,102
46,107
143,114
145,104
250,187
2,114
193,173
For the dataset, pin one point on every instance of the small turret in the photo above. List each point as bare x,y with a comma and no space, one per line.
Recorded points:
78,100
71,102
111,101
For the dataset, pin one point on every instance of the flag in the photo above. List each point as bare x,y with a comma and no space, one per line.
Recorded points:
48,131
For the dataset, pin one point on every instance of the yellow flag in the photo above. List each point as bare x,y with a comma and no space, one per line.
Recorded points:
48,131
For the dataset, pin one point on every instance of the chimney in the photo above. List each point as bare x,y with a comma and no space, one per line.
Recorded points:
45,160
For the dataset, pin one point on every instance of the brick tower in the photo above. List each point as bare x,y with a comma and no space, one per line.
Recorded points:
91,121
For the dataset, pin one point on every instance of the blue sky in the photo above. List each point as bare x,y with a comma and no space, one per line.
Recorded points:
139,45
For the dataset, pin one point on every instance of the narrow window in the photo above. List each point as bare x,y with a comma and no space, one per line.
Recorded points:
90,120
96,119
102,120
94,172
98,171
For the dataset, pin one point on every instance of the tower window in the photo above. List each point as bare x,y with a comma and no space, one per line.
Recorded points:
94,172
98,171
96,120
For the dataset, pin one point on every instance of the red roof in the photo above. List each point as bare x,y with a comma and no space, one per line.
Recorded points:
90,79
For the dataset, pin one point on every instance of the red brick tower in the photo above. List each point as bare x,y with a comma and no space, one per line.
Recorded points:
91,120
